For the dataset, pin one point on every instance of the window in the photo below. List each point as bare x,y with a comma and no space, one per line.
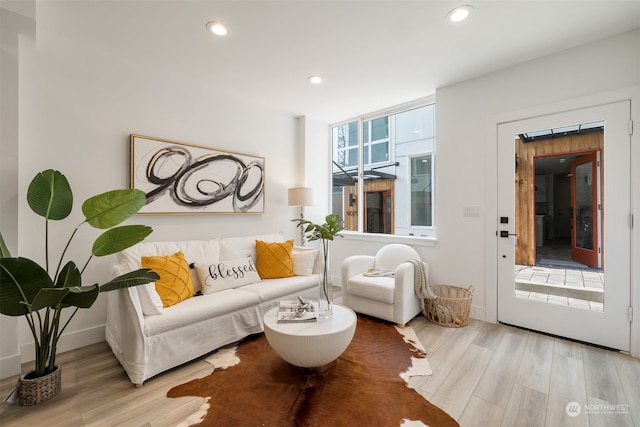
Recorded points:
393,156
345,139
376,141
421,189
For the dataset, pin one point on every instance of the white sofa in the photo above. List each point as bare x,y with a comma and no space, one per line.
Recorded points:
148,339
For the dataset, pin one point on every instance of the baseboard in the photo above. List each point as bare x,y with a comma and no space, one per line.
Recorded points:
477,312
67,342
10,366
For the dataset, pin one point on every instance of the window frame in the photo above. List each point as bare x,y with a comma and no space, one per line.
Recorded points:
427,233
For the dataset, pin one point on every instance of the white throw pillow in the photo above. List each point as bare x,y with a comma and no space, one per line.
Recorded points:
150,301
227,274
304,260
242,247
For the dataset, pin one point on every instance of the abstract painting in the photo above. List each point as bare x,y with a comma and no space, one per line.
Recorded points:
183,178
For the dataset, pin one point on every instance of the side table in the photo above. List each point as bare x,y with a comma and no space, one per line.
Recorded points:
312,344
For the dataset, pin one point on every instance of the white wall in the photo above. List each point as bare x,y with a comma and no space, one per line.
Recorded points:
316,157
78,106
464,173
16,24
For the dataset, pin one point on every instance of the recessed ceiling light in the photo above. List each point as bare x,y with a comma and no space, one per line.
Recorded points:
217,28
459,14
316,80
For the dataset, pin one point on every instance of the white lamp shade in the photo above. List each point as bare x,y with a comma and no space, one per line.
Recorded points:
302,196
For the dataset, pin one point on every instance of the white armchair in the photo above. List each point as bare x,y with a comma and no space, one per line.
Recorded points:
388,298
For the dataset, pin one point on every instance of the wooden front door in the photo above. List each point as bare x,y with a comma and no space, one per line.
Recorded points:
378,212
585,204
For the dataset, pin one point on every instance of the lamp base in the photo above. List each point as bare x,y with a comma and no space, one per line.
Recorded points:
302,239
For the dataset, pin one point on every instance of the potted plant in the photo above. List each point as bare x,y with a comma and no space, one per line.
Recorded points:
325,233
40,294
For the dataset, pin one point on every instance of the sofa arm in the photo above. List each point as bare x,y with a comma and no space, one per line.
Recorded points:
134,311
124,330
125,336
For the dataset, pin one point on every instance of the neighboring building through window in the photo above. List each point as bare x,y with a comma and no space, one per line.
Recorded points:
394,154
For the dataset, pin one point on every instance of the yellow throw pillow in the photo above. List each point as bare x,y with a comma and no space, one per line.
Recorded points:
274,259
175,282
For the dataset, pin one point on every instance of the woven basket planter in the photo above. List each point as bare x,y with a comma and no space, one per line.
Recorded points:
450,307
32,391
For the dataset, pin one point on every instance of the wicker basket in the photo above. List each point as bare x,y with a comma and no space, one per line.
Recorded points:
32,391
450,307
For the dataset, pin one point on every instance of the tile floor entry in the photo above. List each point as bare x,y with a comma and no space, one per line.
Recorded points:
582,288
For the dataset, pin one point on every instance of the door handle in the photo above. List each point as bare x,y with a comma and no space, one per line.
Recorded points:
505,233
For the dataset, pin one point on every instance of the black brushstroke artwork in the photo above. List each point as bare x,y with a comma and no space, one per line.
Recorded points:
199,182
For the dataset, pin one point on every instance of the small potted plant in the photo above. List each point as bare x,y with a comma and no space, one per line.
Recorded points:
325,233
40,294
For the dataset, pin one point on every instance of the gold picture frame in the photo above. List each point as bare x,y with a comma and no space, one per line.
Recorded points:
181,178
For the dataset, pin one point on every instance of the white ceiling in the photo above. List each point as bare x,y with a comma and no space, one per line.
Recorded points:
372,54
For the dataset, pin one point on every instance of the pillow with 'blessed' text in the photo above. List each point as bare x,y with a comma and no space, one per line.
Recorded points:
227,274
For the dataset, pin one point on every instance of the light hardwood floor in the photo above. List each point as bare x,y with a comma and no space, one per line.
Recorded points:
483,375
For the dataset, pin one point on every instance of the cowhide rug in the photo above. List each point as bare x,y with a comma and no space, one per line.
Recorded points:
363,387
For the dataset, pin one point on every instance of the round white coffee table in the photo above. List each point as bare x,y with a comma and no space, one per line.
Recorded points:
314,344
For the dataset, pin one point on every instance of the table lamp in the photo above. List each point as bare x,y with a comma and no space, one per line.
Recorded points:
302,196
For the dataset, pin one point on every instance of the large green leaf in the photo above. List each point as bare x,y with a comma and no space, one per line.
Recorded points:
48,297
69,276
49,195
109,209
332,226
134,278
20,281
81,296
120,238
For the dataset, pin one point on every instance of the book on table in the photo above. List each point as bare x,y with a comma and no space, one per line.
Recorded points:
293,311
